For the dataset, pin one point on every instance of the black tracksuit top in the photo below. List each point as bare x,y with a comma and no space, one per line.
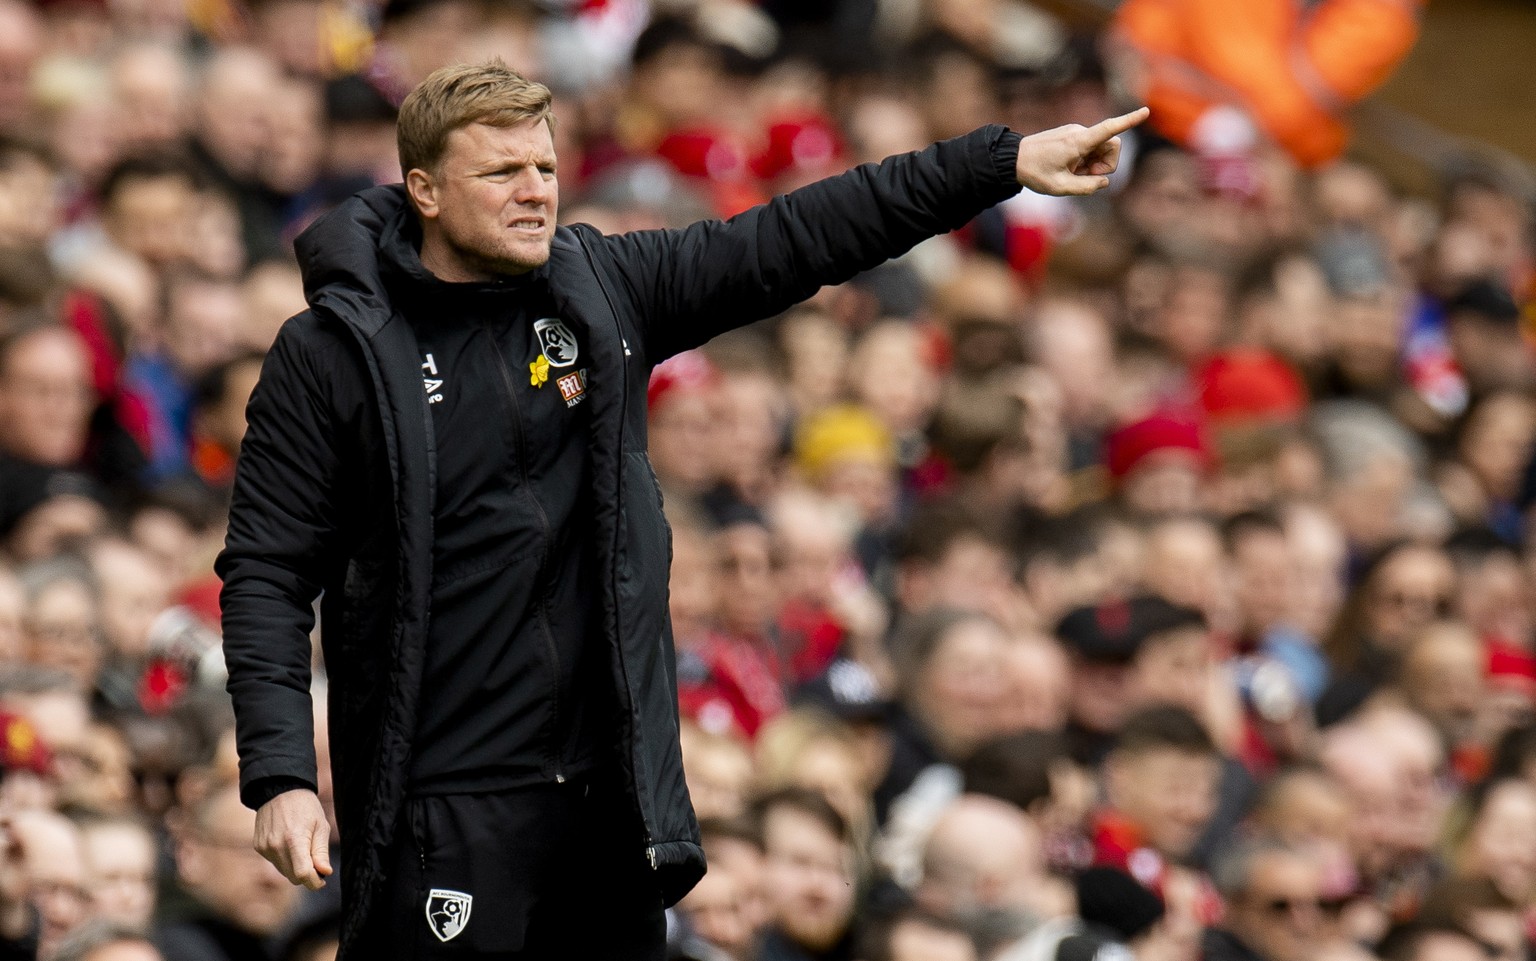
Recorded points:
511,660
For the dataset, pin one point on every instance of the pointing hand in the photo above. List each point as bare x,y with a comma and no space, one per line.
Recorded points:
1074,160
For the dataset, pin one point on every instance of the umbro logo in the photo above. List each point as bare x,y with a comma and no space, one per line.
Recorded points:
431,380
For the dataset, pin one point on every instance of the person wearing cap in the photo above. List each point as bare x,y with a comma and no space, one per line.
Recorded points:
1483,326
449,446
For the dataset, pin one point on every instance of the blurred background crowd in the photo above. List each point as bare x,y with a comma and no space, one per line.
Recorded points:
1141,576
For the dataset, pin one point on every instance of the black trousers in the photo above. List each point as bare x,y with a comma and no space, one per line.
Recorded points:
548,872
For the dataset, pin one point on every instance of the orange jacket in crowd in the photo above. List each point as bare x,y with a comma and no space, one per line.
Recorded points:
1295,67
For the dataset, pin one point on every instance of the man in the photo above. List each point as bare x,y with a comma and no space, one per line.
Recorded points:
1274,900
984,857
809,875
240,903
1160,782
450,444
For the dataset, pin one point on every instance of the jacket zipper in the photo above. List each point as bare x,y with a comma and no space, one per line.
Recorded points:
522,469
629,701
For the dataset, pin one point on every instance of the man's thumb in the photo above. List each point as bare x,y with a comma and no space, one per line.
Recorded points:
320,849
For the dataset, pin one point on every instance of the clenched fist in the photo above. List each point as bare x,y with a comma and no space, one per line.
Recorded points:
292,833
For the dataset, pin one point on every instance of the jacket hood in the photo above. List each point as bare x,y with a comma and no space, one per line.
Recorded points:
339,255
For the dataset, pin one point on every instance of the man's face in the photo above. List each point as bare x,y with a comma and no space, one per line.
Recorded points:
809,877
1168,793
218,863
1279,916
45,398
150,217
493,197
121,873
1173,667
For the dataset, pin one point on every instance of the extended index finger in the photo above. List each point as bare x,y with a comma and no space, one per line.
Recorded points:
1115,126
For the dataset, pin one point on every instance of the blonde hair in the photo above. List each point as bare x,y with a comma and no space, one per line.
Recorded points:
453,97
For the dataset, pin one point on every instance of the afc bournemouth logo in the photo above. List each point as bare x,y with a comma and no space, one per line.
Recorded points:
448,912
556,341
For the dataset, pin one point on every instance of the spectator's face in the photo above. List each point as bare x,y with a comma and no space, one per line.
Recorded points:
1264,580
493,197
133,593
1194,313
1318,553
56,877
232,114
202,322
719,774
219,865
745,862
1368,504
1502,844
1041,679
1185,564
151,217
1166,483
29,208
809,878
63,631
273,293
752,412
748,596
95,776
892,378
1492,598
1173,667
1279,915
1410,590
224,422
1497,443
1492,355
684,84
1098,699
683,432
296,121
120,871
1367,333
691,585
46,398
1168,793
961,688
149,85
972,575
1443,680
1072,344
716,908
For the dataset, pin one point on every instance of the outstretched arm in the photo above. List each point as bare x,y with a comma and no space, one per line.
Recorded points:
689,285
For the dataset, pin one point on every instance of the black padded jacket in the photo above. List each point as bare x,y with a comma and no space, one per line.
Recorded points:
334,487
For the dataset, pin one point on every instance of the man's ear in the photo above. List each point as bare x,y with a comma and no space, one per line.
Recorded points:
423,191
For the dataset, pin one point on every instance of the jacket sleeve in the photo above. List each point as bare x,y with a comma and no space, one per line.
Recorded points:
282,524
689,285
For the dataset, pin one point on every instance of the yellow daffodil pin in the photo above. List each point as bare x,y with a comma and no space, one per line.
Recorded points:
538,371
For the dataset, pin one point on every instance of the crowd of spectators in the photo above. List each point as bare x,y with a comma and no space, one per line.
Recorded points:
1148,573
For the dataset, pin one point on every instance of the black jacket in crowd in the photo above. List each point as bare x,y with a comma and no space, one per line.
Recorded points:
335,485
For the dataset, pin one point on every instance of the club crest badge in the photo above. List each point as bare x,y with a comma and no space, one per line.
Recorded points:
448,912
556,340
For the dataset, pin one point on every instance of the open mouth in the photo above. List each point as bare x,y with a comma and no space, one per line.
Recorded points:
528,223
